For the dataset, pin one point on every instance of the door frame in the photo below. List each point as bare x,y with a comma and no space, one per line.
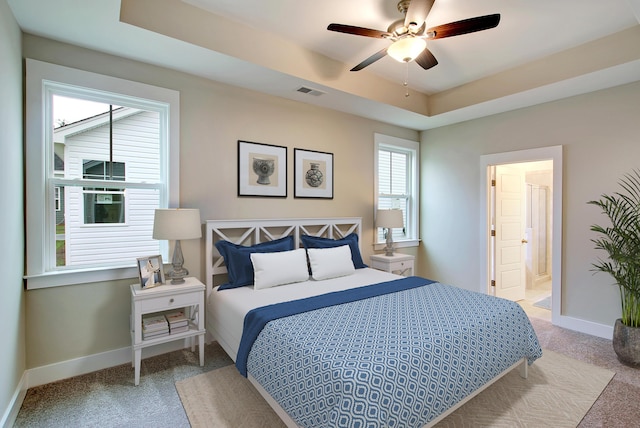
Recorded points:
553,153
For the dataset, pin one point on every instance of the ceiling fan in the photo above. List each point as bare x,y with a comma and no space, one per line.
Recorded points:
409,35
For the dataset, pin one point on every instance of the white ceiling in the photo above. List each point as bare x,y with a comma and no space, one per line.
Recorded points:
529,31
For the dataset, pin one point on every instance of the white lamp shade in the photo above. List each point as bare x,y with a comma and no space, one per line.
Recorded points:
407,49
177,223
389,218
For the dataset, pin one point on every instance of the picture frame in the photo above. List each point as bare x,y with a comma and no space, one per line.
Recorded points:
262,170
313,174
150,271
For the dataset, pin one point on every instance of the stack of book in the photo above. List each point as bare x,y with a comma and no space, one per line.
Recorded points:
178,322
154,326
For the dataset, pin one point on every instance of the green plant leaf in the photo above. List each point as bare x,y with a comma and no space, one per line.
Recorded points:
621,241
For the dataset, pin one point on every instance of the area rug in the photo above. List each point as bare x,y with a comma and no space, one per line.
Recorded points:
544,303
558,392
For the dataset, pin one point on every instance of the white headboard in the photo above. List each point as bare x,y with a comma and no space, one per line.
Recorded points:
251,232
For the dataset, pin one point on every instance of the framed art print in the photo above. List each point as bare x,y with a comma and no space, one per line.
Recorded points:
150,271
313,174
262,170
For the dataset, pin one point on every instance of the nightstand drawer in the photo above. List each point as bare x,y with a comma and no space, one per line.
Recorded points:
169,302
400,265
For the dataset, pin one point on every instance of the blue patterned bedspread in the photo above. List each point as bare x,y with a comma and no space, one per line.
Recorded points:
399,359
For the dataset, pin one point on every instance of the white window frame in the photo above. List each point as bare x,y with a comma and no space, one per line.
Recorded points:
40,213
104,191
56,196
386,142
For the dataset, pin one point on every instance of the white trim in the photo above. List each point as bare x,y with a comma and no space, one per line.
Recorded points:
39,77
398,244
91,363
554,153
11,413
81,276
582,326
381,140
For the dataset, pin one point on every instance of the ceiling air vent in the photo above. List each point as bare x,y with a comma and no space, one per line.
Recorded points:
310,91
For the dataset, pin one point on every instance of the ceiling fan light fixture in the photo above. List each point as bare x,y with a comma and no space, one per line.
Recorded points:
406,49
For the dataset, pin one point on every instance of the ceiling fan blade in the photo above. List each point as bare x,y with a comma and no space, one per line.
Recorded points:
358,31
426,59
373,58
465,26
417,13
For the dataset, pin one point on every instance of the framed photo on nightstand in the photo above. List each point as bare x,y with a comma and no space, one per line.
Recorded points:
150,271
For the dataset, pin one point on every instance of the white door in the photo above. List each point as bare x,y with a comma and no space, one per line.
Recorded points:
509,229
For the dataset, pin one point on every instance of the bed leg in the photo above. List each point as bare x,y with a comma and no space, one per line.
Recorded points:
524,368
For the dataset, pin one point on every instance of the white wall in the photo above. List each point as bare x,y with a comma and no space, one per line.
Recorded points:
12,308
599,133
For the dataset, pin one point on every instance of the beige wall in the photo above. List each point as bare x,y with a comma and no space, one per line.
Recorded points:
599,126
74,321
12,308
599,133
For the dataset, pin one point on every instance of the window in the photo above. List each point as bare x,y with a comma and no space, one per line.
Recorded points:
102,204
396,174
109,148
56,191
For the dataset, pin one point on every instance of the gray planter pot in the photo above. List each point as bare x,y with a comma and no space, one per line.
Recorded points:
626,343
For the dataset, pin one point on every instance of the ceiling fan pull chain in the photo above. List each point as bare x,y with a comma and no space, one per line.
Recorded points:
406,80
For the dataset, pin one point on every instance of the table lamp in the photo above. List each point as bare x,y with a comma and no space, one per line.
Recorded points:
177,224
388,219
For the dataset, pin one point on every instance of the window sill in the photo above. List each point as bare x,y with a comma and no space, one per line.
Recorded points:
79,276
397,244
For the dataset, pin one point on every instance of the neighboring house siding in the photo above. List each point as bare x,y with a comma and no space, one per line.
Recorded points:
132,136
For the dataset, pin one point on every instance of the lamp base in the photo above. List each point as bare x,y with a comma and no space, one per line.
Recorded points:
178,272
388,250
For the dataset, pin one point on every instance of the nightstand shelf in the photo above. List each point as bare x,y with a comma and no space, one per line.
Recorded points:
161,299
401,264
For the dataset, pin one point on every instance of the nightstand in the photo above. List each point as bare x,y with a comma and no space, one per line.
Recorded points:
163,299
401,264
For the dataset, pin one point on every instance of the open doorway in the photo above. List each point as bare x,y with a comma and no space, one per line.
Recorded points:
521,251
520,205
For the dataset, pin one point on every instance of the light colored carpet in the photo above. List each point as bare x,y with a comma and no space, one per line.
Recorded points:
558,392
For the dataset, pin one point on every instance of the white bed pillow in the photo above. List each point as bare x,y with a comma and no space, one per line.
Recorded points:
279,268
330,262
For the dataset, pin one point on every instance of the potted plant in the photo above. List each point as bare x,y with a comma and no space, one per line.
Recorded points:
621,241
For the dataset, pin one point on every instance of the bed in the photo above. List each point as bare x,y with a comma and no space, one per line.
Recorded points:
330,342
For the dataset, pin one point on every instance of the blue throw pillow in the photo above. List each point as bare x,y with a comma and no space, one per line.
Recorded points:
351,240
237,258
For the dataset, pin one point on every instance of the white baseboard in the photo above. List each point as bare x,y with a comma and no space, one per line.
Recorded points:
91,363
582,326
11,413
75,367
